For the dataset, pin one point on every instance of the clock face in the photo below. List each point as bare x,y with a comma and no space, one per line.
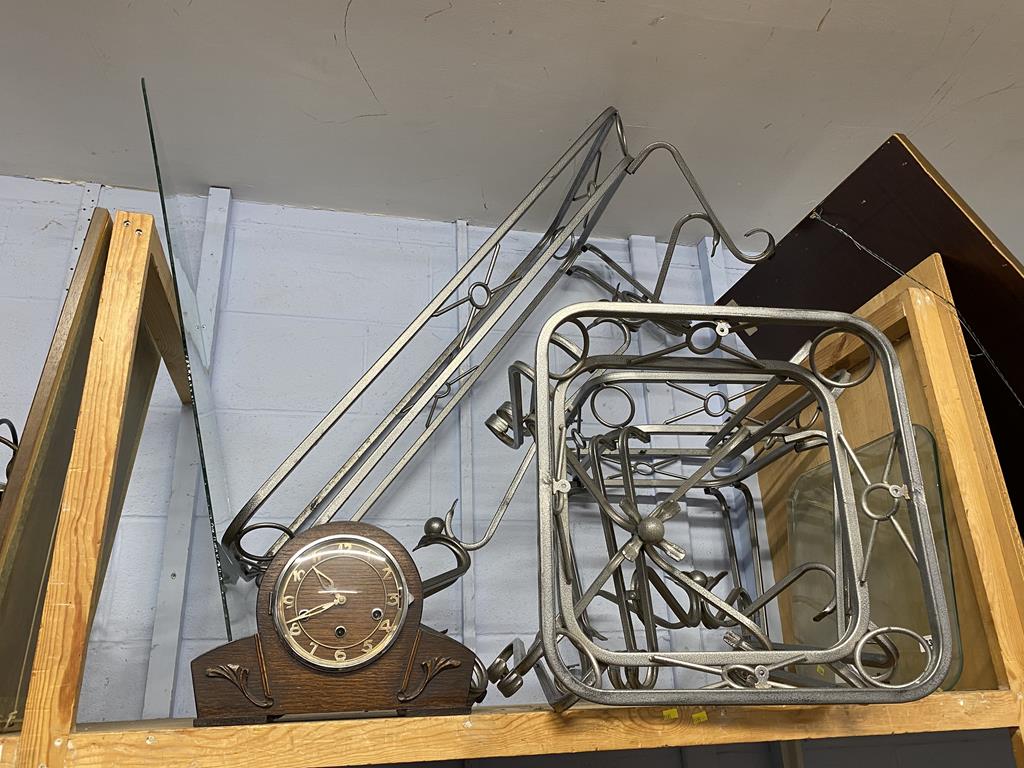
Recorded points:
340,601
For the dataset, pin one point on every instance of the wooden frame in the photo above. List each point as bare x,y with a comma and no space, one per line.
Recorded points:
916,312
28,514
136,324
122,362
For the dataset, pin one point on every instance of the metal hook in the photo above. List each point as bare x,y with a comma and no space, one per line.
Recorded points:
433,534
715,222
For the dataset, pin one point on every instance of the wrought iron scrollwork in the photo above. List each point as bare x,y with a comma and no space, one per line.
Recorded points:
640,479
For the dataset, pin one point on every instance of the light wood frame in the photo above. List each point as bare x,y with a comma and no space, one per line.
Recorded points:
124,359
30,506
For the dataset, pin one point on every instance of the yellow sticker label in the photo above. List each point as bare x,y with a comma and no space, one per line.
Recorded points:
699,716
670,714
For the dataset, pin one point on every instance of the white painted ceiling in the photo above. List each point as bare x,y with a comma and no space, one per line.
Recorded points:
452,108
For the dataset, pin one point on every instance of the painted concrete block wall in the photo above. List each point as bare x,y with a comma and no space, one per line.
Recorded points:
310,299
37,224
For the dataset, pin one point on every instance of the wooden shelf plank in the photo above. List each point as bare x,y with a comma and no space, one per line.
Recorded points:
510,732
506,732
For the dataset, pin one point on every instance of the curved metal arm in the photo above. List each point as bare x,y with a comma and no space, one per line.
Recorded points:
433,533
684,580
356,468
712,218
628,487
499,513
697,613
627,519
782,584
688,617
670,250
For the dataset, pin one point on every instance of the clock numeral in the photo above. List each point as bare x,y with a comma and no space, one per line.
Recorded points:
346,545
295,629
312,647
367,646
393,599
288,601
385,626
387,571
298,575
339,655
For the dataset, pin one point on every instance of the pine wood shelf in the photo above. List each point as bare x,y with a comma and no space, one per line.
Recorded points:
509,732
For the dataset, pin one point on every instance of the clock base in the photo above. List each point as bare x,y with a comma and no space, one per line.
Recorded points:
246,682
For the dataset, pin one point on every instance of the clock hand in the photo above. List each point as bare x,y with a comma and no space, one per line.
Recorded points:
311,612
326,582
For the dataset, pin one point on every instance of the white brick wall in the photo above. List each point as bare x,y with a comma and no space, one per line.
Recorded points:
310,299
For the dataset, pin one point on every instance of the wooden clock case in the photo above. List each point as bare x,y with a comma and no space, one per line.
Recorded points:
257,679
